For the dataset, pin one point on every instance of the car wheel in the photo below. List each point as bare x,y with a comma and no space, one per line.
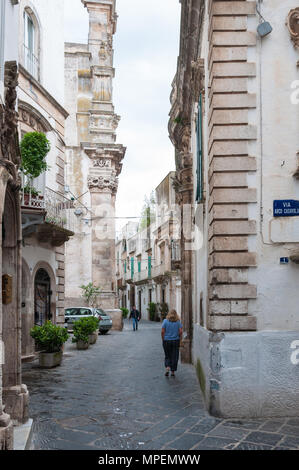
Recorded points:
103,332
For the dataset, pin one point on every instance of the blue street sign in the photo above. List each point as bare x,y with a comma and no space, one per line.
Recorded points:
285,208
284,260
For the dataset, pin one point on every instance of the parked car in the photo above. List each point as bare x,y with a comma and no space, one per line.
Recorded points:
75,313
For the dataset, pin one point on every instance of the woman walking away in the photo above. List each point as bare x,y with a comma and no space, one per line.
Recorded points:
172,331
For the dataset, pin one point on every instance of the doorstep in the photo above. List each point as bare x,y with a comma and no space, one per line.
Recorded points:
22,436
29,358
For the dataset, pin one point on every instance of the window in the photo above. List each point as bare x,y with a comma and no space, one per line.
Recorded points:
199,188
132,268
31,61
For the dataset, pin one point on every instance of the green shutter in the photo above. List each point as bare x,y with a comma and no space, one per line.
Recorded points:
132,268
125,267
139,266
199,189
149,266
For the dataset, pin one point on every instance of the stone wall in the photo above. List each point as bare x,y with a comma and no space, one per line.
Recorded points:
230,131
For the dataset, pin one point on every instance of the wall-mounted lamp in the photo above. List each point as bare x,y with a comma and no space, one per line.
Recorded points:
264,28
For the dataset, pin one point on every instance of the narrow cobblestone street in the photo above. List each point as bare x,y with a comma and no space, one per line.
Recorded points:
114,396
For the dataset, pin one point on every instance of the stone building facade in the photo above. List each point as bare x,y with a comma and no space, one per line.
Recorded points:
93,156
234,125
148,260
47,221
13,394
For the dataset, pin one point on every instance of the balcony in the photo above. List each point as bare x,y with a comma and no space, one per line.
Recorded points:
159,271
50,216
128,278
31,62
141,278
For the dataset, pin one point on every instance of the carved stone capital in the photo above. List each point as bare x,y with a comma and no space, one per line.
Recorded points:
293,26
198,77
102,163
184,144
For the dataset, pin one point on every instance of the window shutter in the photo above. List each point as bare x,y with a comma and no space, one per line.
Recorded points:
149,266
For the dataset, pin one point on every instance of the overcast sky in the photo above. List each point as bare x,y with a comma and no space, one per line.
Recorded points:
146,47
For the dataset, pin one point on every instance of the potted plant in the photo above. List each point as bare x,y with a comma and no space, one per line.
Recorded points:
152,309
29,190
34,149
85,332
163,309
50,339
94,329
125,312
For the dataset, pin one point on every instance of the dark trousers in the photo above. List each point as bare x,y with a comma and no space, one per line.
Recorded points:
172,351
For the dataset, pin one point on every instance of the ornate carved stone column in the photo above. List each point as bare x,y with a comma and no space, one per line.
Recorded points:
96,131
184,198
103,184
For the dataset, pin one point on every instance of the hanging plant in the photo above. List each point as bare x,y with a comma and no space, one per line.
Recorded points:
34,149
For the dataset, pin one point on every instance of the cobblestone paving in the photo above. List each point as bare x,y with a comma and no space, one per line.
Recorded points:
115,396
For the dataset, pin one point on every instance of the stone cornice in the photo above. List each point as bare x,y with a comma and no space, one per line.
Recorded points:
189,70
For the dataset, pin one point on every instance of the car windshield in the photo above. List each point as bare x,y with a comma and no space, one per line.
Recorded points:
78,311
101,312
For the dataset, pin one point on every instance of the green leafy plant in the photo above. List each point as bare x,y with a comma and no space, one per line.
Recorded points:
152,309
30,189
49,337
148,214
125,312
83,328
91,293
34,149
163,309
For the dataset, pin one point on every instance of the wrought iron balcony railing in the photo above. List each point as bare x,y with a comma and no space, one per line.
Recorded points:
31,62
58,209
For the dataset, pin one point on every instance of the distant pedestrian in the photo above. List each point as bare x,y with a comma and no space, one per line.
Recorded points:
172,331
136,316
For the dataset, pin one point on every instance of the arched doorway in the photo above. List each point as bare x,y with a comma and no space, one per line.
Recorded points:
42,297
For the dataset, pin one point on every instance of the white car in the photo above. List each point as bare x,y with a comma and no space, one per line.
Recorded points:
75,313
